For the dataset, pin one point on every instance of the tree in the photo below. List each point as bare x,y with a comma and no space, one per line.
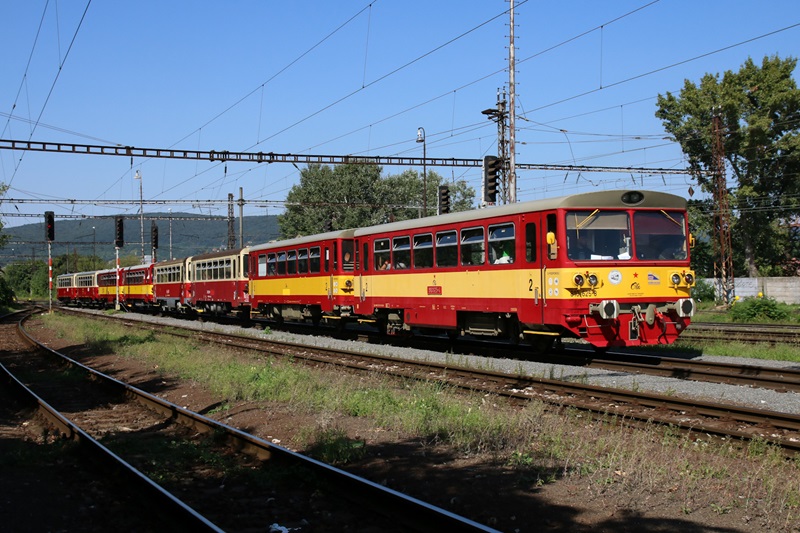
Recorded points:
759,108
353,196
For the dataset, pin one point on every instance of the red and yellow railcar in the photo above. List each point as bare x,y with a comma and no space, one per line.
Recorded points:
220,282
171,286
107,287
136,285
66,288
609,267
307,278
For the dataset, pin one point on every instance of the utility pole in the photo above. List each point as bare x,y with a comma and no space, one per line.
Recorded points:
723,267
512,163
138,176
231,230
241,217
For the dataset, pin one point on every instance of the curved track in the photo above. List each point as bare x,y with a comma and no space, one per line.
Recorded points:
149,416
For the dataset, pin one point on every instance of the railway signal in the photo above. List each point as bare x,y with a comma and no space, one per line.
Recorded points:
154,235
49,226
119,232
491,168
444,199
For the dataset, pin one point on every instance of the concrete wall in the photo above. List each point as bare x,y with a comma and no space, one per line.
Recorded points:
786,290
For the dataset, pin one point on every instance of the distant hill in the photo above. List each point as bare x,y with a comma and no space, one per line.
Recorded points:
189,237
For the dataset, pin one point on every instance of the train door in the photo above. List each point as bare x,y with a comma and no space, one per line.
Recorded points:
362,280
535,237
548,260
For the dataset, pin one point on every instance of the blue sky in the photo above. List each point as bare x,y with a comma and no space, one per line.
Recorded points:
352,77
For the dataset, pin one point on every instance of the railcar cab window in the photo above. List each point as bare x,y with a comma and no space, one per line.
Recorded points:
446,249
401,247
473,247
423,250
501,244
595,234
660,235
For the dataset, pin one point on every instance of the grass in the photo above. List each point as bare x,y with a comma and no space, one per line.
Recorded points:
540,446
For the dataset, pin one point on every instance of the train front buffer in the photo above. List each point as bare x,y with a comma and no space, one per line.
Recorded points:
616,307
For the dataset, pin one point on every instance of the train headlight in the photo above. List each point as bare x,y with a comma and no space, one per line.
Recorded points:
593,281
689,277
579,280
675,278
349,283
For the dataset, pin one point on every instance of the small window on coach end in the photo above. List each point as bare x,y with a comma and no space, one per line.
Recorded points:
530,242
348,255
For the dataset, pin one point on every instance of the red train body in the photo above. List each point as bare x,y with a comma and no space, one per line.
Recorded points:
609,267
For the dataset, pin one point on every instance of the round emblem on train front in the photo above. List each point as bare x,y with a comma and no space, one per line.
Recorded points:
615,277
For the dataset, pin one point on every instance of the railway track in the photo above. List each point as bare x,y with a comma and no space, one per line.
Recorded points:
136,427
781,379
745,333
722,420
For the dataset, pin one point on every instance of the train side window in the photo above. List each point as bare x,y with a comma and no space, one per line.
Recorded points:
271,265
530,242
401,247
245,266
446,249
423,250
302,261
291,262
314,263
473,246
501,244
365,258
281,263
382,254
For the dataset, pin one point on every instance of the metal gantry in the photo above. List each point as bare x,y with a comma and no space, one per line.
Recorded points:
271,157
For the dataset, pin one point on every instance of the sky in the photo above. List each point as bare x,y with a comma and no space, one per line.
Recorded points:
351,77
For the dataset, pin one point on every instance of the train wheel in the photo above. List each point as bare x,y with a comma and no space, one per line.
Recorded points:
541,344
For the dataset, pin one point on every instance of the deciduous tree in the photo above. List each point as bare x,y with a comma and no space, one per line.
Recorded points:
759,109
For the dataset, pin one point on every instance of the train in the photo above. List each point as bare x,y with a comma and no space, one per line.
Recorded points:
611,268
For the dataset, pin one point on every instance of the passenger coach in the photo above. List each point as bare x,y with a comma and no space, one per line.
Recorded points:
219,282
308,278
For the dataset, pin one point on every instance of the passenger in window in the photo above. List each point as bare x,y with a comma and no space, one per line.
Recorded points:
385,265
506,254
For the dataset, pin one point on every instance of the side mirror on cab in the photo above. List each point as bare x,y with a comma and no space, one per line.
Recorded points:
552,246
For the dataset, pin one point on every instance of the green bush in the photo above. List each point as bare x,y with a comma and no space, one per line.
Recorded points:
703,291
759,310
6,294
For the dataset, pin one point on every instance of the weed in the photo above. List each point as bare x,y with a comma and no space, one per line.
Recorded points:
333,446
